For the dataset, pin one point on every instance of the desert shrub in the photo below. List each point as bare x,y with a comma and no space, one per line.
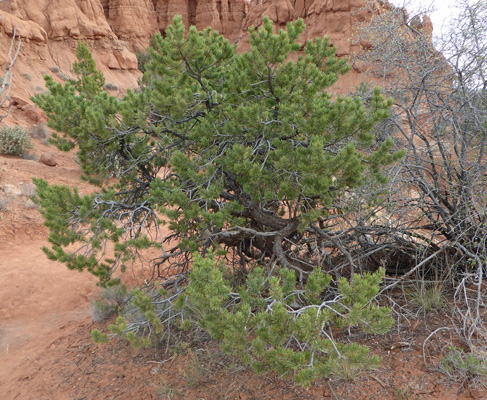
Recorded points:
14,140
55,69
108,302
29,204
461,366
427,296
27,189
39,131
62,76
110,86
440,114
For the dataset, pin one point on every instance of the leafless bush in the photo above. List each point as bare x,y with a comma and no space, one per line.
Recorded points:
27,189
6,81
39,131
438,195
110,86
62,76
108,302
29,204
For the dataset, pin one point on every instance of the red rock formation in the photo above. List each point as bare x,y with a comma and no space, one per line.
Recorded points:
63,19
167,9
225,16
134,21
28,30
115,29
333,18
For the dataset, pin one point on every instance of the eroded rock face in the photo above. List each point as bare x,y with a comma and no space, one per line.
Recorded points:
28,30
63,19
134,21
333,18
116,29
225,16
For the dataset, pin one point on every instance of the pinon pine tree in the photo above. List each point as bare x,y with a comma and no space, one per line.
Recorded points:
241,155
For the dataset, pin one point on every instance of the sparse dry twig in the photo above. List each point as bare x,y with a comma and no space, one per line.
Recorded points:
6,83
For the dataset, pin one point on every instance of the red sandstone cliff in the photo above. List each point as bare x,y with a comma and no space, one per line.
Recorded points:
116,29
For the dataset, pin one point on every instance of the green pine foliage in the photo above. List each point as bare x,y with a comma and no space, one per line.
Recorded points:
229,150
244,156
271,324
87,116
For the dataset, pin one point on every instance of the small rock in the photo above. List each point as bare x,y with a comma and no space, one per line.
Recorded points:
48,159
34,114
19,101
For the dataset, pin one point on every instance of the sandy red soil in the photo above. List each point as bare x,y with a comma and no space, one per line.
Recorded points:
46,351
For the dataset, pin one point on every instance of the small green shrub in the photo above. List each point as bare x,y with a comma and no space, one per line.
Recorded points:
427,297
462,366
55,69
269,322
14,140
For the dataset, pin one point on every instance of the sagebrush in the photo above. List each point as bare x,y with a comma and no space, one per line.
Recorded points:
14,140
